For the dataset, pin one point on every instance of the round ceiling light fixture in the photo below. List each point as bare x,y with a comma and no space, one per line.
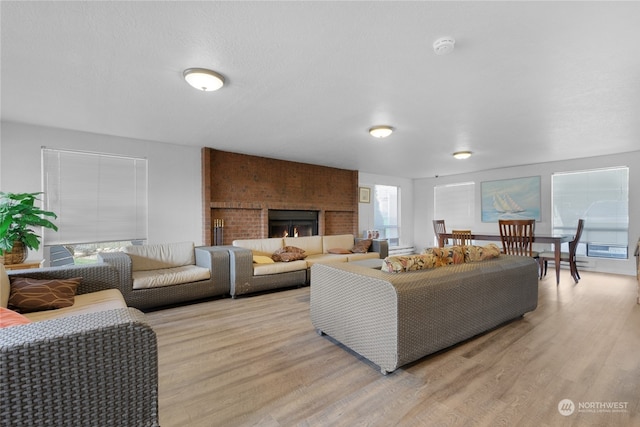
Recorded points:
203,79
444,45
380,131
461,155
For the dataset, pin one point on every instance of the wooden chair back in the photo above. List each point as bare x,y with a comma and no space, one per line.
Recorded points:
517,236
439,228
461,237
573,245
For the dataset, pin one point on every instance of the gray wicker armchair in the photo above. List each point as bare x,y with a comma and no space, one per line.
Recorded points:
97,369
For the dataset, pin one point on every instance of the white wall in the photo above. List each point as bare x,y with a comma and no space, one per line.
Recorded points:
365,210
423,200
175,183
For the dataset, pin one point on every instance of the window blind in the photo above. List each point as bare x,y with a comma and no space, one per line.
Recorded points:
97,197
455,203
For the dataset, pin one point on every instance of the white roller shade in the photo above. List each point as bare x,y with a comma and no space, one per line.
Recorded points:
97,197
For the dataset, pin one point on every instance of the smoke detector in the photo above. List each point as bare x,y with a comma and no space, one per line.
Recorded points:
444,45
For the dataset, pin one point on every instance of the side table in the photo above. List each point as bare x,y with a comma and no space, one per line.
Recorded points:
23,266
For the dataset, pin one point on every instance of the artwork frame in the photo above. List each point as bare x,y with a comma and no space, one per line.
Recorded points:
364,194
514,198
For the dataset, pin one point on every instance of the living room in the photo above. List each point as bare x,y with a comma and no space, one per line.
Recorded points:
594,129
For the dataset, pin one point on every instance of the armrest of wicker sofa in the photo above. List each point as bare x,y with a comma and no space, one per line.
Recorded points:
95,277
95,369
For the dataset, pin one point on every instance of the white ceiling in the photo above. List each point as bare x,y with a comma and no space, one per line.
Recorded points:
528,82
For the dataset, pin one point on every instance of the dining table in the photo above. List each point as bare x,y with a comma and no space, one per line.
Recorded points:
556,239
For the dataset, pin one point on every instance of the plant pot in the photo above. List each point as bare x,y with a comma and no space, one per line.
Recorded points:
17,255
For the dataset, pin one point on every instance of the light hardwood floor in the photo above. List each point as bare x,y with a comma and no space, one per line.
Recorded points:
257,361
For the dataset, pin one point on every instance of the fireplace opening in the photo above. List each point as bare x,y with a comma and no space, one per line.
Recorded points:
286,223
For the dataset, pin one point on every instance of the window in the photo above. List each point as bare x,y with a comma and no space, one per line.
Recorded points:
100,200
455,203
601,198
386,213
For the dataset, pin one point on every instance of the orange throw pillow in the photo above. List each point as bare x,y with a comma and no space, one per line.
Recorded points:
11,318
28,295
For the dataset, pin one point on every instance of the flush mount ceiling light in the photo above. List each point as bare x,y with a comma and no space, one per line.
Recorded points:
444,45
462,155
381,131
203,79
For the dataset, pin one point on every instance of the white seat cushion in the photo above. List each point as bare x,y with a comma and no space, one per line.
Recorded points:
169,276
278,267
92,302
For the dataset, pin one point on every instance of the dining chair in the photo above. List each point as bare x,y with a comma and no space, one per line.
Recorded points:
569,257
439,228
461,237
517,236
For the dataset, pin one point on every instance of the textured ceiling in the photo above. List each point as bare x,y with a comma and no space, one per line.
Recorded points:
528,82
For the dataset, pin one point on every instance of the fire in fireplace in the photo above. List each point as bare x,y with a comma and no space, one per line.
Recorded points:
286,223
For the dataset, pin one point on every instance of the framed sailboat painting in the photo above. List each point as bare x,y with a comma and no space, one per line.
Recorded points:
517,198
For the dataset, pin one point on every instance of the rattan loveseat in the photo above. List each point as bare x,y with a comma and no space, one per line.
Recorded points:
393,319
94,369
161,257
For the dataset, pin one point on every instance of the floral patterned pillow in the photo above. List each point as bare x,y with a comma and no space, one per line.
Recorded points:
447,255
400,263
481,253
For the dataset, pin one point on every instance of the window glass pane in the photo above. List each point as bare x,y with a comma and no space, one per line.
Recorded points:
386,213
601,197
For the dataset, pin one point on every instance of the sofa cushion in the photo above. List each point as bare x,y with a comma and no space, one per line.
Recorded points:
310,244
341,241
169,276
278,267
366,255
11,318
93,302
165,255
260,246
362,246
339,251
5,287
28,295
325,258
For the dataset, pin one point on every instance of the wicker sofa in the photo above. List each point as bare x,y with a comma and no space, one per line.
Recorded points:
92,364
169,273
396,318
248,276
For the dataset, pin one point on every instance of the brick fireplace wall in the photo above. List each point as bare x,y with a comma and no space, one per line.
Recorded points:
240,189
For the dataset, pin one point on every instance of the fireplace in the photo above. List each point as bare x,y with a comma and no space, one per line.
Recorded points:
286,223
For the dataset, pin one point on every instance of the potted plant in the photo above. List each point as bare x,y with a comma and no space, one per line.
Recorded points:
17,214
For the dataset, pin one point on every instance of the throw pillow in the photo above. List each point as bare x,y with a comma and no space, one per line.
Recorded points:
28,295
362,246
11,318
339,251
481,253
261,259
447,255
401,263
288,253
